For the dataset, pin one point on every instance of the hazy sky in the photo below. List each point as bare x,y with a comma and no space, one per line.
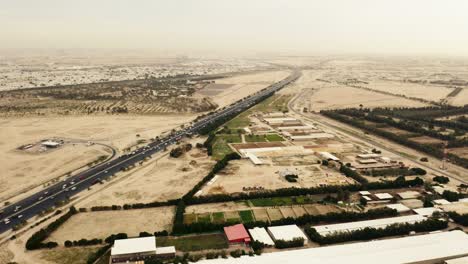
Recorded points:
239,26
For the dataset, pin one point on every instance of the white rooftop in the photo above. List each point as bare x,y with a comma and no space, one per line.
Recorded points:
426,211
328,155
383,196
463,260
441,202
388,251
286,232
165,250
134,245
409,194
364,193
376,223
399,207
261,235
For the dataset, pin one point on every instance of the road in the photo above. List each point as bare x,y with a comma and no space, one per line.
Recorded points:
49,197
322,121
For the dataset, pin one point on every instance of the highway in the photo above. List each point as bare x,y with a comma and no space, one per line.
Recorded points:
49,197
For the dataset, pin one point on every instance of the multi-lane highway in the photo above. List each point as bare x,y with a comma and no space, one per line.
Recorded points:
61,191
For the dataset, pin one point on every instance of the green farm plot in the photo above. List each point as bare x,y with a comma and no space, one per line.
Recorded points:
194,243
274,137
277,201
218,217
255,138
246,216
204,218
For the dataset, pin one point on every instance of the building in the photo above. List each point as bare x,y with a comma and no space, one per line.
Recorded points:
426,211
441,202
311,136
325,230
237,234
383,196
133,249
427,249
409,195
50,144
261,235
367,161
328,156
399,207
368,156
166,252
463,260
286,233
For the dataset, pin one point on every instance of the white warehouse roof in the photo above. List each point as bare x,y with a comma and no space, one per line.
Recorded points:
165,250
409,194
388,251
457,261
286,232
377,223
328,155
313,136
426,211
383,196
134,245
261,235
399,207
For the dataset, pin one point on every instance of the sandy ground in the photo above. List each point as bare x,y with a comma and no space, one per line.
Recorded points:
159,180
102,224
427,92
244,85
461,99
22,170
242,173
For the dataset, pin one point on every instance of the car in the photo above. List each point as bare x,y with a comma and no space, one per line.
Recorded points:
64,186
6,221
20,216
106,171
73,188
72,182
46,193
40,198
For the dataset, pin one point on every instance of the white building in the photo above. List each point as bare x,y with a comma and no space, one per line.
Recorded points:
325,230
412,249
286,233
409,194
133,249
328,156
383,196
426,211
311,136
399,207
261,235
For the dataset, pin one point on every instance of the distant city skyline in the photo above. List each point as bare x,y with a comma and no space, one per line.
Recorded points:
219,27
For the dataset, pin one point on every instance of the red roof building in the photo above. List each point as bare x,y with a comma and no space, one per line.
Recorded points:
237,234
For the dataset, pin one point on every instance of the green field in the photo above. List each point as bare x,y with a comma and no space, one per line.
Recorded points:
255,138
281,201
218,217
194,243
220,145
204,218
274,137
246,216
190,218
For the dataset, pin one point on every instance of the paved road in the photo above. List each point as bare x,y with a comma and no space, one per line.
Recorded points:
50,196
324,123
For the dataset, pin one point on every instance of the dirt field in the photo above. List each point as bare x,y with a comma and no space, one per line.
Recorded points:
242,173
339,96
244,85
427,92
102,224
427,140
461,99
23,170
159,180
461,152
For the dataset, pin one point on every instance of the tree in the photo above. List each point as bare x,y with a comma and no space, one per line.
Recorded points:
363,201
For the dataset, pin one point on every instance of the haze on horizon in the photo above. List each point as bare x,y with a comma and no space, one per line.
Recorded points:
294,27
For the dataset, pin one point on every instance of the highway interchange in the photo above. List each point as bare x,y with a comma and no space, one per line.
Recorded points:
49,197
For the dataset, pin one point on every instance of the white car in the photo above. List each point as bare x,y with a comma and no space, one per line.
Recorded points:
74,188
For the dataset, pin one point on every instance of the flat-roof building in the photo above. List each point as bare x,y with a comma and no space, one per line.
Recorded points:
383,196
325,230
427,248
261,235
409,195
133,249
286,233
328,156
426,211
237,234
311,136
399,207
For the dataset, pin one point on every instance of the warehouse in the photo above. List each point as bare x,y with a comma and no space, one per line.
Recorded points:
399,207
237,234
426,249
261,235
328,156
325,230
311,136
409,195
287,233
133,249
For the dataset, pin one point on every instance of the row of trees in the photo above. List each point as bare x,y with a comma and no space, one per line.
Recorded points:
399,182
296,242
36,239
461,219
370,233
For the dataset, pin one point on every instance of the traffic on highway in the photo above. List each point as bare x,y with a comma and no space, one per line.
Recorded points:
60,192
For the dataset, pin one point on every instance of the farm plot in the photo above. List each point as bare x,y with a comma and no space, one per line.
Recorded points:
194,242
102,224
